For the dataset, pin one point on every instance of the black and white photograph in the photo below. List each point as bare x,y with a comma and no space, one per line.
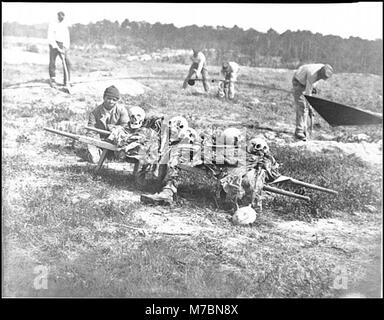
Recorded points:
192,150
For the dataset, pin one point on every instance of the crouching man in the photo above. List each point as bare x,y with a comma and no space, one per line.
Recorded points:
227,87
198,66
105,117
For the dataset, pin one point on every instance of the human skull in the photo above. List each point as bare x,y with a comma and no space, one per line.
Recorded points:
189,135
231,136
257,146
244,215
136,117
176,126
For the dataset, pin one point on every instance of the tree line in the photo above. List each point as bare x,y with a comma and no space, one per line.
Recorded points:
248,47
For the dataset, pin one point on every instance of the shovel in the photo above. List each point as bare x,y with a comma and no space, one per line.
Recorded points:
311,119
66,74
191,82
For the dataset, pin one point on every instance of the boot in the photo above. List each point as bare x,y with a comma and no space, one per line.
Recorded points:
301,136
52,83
257,205
163,197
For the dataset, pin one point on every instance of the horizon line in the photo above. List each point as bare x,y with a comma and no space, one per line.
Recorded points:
191,25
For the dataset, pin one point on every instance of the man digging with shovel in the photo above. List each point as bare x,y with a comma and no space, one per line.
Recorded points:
303,82
58,39
198,66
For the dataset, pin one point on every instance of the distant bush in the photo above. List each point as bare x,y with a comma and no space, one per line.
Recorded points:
248,47
182,59
32,48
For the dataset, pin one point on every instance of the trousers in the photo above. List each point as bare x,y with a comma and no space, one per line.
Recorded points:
302,108
204,76
53,53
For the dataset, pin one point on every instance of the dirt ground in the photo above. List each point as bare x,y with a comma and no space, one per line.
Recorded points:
57,213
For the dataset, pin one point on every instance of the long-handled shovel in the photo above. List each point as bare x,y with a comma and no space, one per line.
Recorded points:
311,119
66,73
191,82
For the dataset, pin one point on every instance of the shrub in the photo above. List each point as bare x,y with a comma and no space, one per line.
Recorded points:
32,48
358,184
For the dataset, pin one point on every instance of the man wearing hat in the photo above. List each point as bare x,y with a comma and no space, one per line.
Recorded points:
199,66
303,82
229,70
58,39
106,116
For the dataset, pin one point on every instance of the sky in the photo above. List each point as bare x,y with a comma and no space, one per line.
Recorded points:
361,19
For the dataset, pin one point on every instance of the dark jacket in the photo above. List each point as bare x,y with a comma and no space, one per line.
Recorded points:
98,118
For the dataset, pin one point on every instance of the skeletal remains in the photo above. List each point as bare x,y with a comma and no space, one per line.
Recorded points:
179,131
244,215
257,146
136,117
177,128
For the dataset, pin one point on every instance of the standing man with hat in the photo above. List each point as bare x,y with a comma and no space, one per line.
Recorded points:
303,82
199,66
58,39
106,116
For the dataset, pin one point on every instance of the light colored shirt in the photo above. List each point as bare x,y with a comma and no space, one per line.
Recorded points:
58,31
200,60
307,76
232,70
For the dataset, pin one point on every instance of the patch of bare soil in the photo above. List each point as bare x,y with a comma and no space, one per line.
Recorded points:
126,86
19,56
368,152
357,238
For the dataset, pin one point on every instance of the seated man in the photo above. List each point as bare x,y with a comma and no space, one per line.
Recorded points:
105,117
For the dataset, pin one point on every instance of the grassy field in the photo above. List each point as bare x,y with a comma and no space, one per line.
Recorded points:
94,238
